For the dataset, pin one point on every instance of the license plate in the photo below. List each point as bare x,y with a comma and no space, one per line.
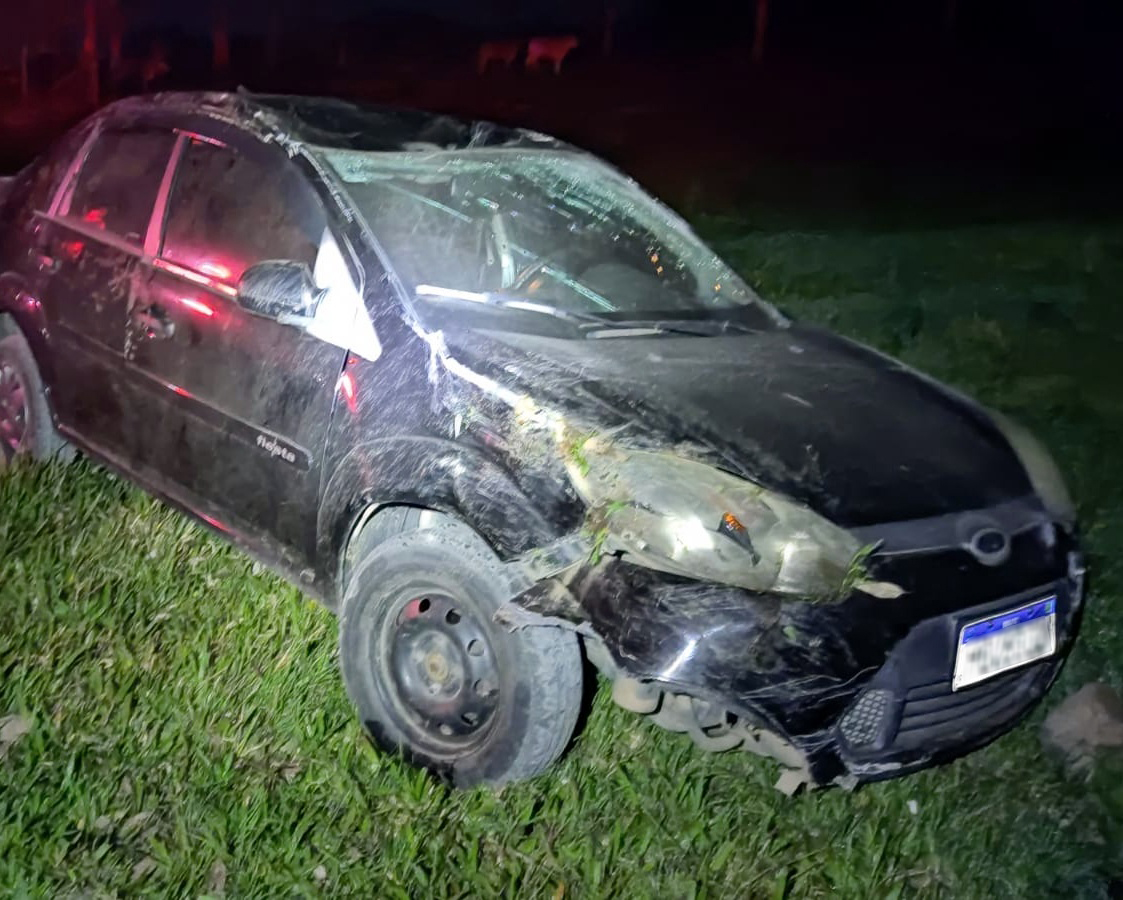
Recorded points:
1005,641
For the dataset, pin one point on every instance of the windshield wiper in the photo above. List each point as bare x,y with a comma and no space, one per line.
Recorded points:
508,301
594,325
694,327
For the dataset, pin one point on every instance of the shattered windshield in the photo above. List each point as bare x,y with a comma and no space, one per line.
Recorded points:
557,229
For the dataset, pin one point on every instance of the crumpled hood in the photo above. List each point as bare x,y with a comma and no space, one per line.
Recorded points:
853,434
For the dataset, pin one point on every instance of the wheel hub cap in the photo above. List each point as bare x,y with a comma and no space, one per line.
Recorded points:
443,668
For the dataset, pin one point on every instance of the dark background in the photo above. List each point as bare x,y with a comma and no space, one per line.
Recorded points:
845,175
932,107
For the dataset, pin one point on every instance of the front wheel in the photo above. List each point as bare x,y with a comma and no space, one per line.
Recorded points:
434,677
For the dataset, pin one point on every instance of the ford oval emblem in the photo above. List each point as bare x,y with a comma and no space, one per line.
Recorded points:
989,546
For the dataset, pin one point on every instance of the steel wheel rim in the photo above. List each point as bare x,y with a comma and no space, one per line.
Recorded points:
13,412
440,665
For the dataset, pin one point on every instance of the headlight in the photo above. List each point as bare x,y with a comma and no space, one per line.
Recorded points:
688,518
1043,473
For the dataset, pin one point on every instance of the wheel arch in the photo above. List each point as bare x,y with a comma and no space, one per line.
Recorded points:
22,313
432,474
375,523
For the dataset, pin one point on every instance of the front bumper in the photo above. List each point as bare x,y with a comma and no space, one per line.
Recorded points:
861,688
907,717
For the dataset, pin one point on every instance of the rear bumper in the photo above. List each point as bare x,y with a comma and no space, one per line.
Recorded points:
862,688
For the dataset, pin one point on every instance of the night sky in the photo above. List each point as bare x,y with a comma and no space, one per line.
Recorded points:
246,16
1095,20
1072,39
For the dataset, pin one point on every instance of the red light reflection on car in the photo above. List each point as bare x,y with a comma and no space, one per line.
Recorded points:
347,388
214,523
197,277
197,306
29,301
215,269
95,216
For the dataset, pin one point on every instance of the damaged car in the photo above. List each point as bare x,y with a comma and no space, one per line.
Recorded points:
502,411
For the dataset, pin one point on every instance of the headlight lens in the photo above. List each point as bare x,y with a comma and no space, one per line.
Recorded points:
691,519
1042,470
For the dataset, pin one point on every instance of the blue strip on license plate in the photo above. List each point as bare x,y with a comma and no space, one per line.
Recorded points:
987,627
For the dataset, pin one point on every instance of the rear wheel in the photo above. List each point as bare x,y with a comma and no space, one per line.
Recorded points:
432,674
25,418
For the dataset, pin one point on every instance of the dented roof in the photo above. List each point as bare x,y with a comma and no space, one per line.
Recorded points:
342,124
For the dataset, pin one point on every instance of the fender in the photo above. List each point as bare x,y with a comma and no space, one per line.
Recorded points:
27,312
436,473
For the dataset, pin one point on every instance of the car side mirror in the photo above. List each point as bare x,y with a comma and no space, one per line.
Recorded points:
279,289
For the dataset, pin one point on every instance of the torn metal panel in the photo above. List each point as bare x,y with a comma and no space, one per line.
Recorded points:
794,668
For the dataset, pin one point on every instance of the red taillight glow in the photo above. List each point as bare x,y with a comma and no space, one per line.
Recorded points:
197,306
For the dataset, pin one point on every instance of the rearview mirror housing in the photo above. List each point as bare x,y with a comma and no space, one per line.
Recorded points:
279,289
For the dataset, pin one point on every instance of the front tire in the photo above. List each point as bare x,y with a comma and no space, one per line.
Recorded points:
434,677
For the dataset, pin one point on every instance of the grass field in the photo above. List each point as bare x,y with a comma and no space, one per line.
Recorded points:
190,735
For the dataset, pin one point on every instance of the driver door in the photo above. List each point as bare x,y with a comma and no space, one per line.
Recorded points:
240,403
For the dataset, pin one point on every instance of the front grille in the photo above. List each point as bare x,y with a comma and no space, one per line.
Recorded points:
934,714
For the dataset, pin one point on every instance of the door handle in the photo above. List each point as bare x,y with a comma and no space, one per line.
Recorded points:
154,323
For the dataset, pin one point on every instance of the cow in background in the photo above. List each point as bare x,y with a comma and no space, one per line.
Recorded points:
503,52
549,50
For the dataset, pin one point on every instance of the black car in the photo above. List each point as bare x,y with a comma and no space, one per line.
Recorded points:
479,393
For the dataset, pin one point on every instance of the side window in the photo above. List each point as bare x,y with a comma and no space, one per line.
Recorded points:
228,211
34,187
117,185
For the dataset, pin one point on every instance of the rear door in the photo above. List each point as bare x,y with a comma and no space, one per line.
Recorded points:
240,402
91,253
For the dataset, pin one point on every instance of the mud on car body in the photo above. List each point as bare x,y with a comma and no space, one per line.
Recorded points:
479,393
